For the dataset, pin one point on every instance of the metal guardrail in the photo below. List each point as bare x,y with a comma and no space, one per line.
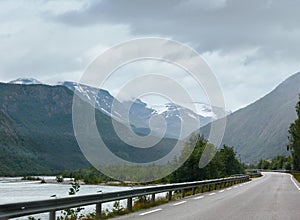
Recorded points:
13,210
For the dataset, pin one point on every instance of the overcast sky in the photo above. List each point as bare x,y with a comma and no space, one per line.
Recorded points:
251,46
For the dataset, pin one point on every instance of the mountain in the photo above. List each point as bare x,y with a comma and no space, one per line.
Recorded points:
260,130
36,133
25,81
137,114
37,137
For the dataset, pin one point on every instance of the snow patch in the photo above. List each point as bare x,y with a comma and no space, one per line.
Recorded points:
25,81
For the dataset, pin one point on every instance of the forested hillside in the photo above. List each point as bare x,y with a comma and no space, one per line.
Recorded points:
37,137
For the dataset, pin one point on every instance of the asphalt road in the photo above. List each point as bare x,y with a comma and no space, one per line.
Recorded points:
273,196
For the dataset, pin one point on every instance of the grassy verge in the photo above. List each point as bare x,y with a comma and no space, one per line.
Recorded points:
296,176
148,204
142,203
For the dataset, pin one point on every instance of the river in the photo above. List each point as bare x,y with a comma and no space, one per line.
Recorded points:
14,190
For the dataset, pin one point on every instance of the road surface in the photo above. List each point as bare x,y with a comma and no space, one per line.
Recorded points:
273,196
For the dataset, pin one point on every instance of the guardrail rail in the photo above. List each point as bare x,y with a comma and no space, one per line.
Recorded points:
19,209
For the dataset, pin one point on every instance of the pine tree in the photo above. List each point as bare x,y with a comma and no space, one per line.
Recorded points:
294,139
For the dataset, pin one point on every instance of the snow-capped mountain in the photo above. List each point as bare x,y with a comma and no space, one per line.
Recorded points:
207,111
140,117
25,81
203,112
165,119
99,98
177,116
134,114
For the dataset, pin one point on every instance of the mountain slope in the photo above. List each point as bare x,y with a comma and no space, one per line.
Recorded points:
260,130
36,133
37,137
12,146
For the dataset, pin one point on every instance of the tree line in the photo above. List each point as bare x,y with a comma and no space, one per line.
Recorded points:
224,164
294,139
277,163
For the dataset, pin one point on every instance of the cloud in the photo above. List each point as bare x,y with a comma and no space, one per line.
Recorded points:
258,38
141,69
251,45
245,83
32,46
271,26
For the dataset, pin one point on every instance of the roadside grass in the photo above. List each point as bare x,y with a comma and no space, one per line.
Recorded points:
258,175
141,203
296,176
204,189
148,204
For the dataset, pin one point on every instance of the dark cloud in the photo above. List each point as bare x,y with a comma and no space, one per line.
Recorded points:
270,26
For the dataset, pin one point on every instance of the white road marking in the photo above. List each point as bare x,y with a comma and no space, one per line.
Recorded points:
179,203
229,188
221,191
235,187
212,194
292,179
146,213
199,197
241,184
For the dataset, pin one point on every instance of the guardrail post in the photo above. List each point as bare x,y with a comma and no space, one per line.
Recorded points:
129,204
182,193
98,210
153,198
52,215
215,186
202,189
193,191
170,195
